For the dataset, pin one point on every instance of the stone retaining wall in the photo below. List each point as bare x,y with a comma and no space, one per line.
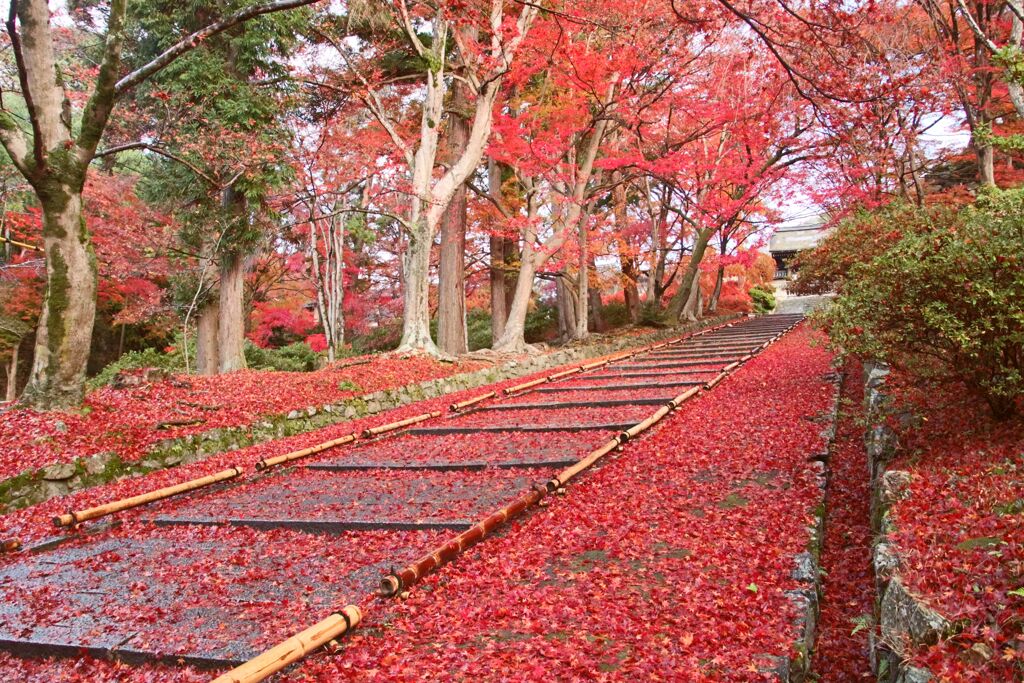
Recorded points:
808,563
34,486
901,617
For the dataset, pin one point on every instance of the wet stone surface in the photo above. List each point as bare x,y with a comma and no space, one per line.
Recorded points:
334,501
158,599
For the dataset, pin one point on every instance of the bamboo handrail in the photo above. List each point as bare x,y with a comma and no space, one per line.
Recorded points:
711,384
644,425
568,473
392,426
456,407
564,373
394,583
295,455
76,517
524,385
731,366
295,648
683,397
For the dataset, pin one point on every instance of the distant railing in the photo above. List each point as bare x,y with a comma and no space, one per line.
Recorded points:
782,274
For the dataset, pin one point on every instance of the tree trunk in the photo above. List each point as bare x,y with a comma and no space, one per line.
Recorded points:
566,296
499,286
231,322
986,164
207,352
694,308
682,296
719,278
581,328
12,373
416,294
595,319
451,300
502,255
512,338
64,335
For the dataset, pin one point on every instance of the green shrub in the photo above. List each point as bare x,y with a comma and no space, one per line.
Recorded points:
615,314
763,297
297,357
652,315
171,360
478,328
944,300
541,323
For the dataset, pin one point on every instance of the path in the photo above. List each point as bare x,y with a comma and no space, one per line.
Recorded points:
217,576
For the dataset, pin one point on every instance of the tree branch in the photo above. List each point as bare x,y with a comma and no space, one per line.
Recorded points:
192,41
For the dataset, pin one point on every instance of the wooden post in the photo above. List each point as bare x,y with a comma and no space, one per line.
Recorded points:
70,518
392,426
295,455
295,648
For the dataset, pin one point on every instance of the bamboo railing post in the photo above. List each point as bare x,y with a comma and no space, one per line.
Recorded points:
295,648
295,455
71,518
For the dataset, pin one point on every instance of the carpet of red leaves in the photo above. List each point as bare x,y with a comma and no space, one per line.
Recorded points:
841,653
672,560
33,524
125,420
960,533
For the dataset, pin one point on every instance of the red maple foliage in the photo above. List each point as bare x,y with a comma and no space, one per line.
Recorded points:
960,532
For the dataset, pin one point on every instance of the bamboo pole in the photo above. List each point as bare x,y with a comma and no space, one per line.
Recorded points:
716,380
295,455
295,648
644,425
595,365
392,426
568,473
456,407
394,583
524,385
683,397
564,373
731,366
76,517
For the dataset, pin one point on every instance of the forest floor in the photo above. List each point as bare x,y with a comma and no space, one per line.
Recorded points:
959,532
671,560
130,420
724,493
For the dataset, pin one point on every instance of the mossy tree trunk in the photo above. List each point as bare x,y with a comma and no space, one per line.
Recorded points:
64,334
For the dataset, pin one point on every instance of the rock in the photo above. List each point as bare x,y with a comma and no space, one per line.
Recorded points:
293,415
97,464
173,459
61,426
880,443
886,561
914,674
875,374
311,411
60,471
805,571
905,617
979,653
894,487
151,464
